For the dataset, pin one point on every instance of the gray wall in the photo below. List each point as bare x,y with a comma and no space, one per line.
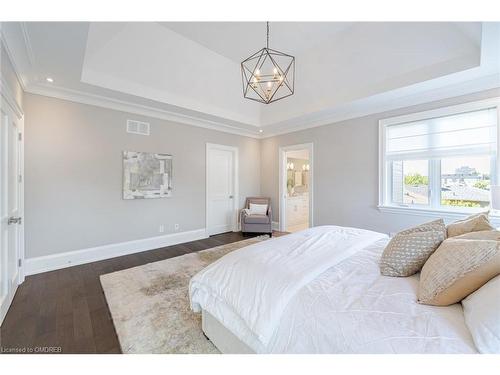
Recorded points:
346,169
73,176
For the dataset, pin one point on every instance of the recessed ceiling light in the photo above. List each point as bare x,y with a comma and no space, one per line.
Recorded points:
49,80
260,130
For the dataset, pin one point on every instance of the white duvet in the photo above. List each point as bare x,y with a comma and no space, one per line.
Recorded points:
320,291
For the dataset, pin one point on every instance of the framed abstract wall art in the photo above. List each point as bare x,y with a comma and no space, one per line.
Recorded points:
146,175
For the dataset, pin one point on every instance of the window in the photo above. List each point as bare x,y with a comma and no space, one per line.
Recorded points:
441,160
466,181
410,181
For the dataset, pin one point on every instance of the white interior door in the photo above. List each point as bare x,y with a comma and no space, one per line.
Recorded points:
221,189
10,208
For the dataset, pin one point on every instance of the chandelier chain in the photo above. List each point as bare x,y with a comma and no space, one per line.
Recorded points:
267,34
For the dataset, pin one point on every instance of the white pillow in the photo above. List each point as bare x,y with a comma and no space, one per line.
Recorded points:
258,209
482,316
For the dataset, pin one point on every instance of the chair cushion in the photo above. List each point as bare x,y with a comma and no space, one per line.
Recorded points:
256,219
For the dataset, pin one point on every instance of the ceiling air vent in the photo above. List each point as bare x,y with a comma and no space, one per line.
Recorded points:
137,127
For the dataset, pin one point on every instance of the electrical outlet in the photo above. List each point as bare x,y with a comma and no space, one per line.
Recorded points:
161,229
176,227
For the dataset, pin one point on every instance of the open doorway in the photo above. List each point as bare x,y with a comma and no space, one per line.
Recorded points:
296,170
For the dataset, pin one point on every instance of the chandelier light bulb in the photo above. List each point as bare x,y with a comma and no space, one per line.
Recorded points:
254,82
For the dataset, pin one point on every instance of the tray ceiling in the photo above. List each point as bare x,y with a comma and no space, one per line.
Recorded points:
190,71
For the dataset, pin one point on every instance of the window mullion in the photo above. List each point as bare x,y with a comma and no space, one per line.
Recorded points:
435,182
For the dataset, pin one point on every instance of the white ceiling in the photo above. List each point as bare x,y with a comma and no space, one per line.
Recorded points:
189,72
238,40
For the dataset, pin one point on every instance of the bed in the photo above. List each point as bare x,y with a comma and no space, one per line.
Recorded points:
320,291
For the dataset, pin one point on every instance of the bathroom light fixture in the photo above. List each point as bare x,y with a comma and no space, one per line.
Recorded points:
49,80
268,75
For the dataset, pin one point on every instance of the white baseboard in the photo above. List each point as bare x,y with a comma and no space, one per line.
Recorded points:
275,225
5,304
93,254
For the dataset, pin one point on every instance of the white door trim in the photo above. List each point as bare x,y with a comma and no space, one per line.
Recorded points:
13,114
21,255
282,182
236,199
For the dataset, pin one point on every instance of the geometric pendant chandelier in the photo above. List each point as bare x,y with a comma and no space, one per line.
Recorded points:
268,75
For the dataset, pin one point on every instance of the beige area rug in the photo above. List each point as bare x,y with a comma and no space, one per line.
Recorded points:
150,303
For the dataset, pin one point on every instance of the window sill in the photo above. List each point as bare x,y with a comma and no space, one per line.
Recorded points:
446,215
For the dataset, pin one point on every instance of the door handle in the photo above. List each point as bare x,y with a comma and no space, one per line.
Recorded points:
14,220
231,197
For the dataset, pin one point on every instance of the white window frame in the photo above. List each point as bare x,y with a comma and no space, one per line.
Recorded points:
453,213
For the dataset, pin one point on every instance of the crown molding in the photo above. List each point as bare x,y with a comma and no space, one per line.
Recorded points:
392,100
364,107
381,103
8,96
108,102
5,44
138,109
27,43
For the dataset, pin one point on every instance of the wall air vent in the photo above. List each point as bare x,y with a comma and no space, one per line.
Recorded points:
137,127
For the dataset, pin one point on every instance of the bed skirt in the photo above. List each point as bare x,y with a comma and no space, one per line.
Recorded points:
221,337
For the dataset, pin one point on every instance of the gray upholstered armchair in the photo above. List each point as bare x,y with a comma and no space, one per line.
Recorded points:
257,223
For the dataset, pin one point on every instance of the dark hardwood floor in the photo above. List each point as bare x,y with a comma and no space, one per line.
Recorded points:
65,311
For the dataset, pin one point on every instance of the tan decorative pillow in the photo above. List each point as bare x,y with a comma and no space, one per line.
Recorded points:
492,235
458,267
474,223
408,250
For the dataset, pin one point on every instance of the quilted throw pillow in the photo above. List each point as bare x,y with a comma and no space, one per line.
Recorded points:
458,267
408,250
